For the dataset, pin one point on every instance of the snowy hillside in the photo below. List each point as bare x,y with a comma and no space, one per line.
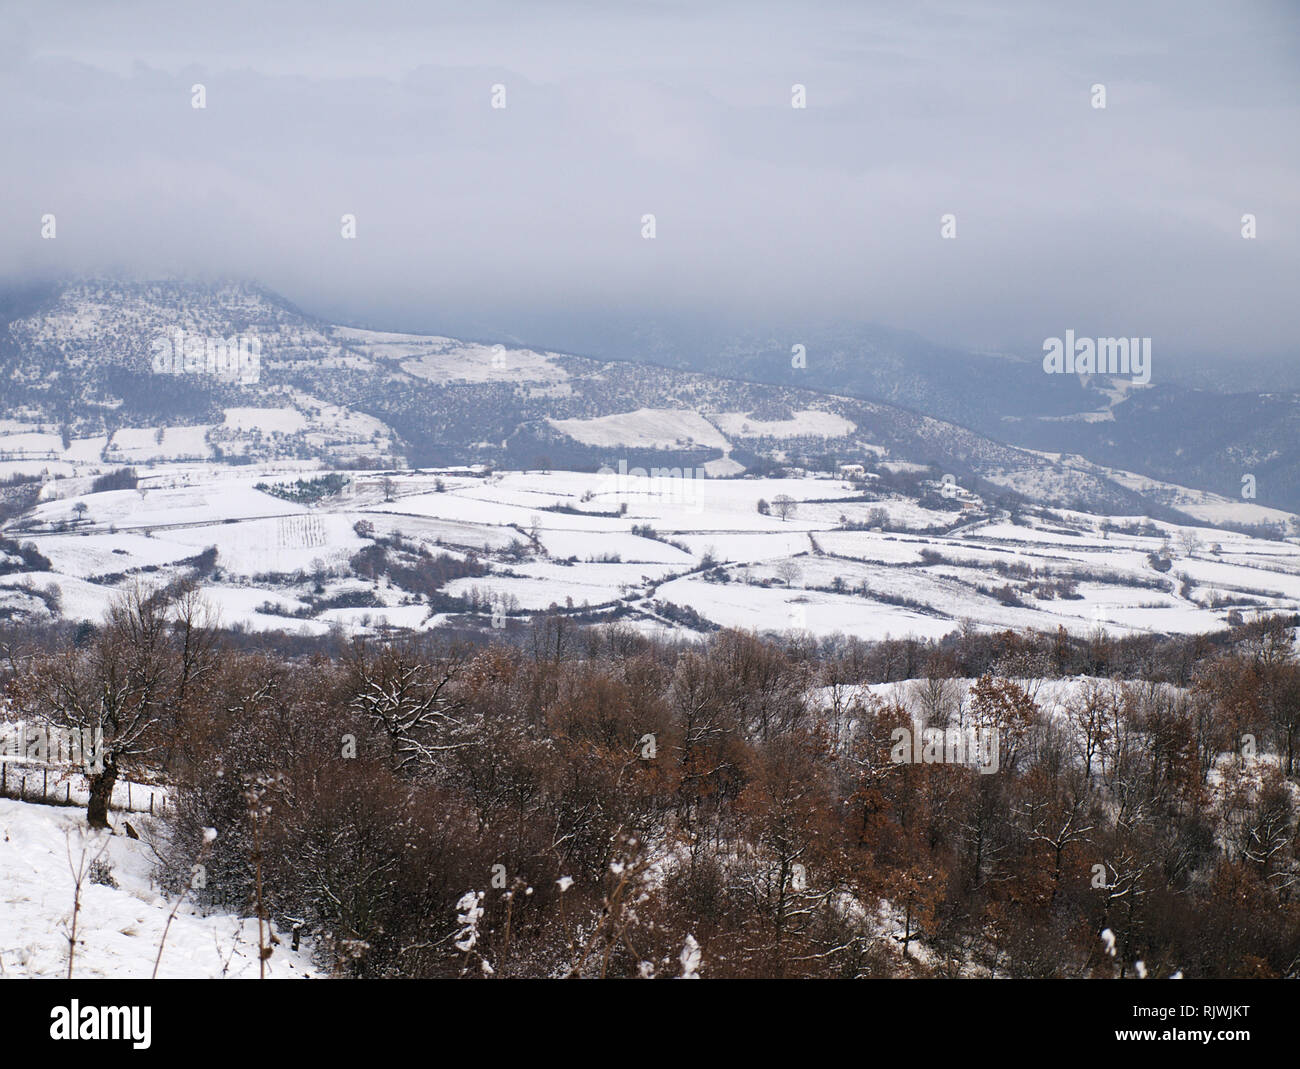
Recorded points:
348,483
82,385
119,928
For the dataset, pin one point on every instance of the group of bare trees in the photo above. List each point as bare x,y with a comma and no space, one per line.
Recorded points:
130,686
592,802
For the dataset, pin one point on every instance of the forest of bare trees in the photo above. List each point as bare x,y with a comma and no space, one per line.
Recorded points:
570,801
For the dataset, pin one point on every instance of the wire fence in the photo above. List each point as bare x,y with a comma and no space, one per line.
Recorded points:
58,786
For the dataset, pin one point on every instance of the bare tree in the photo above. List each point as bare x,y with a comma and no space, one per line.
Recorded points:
408,695
118,692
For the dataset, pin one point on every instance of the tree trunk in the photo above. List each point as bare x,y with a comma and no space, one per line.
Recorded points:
907,927
101,794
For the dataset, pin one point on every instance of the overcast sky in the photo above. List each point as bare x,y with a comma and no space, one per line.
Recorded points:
1118,221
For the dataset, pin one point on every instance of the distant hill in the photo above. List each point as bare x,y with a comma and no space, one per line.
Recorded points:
1196,424
79,369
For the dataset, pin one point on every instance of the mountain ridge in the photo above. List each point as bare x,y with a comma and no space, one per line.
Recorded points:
80,357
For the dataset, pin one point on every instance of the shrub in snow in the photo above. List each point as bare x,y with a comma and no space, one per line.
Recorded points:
101,872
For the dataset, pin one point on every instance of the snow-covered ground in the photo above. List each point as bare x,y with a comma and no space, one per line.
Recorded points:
119,929
646,428
822,558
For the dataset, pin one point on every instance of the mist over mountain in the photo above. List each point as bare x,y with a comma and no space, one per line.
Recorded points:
100,333
1123,219
1201,423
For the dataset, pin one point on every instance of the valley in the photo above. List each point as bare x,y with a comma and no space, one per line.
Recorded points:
280,548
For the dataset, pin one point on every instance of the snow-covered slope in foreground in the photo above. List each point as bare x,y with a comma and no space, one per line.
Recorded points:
118,929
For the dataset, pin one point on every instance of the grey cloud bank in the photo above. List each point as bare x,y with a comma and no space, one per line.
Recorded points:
1122,219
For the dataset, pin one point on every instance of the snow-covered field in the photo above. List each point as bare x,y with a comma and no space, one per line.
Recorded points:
824,556
646,428
296,422
119,929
